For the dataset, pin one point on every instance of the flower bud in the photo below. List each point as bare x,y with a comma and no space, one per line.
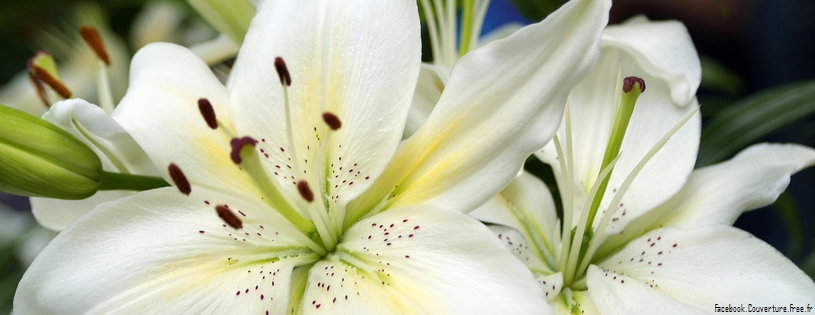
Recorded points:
38,158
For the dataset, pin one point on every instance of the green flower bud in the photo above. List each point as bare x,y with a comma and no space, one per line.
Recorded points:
38,158
230,17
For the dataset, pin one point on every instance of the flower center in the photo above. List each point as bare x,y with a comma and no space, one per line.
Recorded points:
309,210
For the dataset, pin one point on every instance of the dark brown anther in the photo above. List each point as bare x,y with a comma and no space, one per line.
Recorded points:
40,89
237,145
282,71
94,40
179,179
209,114
305,191
43,76
229,217
332,121
628,84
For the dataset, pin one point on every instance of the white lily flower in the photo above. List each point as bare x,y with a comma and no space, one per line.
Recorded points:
667,247
296,193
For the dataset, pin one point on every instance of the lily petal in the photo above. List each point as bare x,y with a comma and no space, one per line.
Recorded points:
116,149
718,194
530,255
165,255
616,296
664,50
505,90
360,64
56,214
432,79
394,263
526,205
672,268
635,50
160,111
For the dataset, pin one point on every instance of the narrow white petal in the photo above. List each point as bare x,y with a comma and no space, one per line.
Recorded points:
156,252
422,260
502,102
754,178
696,269
355,59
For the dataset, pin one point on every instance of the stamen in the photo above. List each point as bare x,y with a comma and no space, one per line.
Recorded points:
229,217
282,71
332,121
305,191
237,146
285,80
92,38
179,179
94,41
40,90
44,68
584,224
209,114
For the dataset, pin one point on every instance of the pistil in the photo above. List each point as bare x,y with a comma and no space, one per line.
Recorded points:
633,87
244,154
577,240
581,243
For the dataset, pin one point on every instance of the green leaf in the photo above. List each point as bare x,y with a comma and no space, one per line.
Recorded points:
753,118
718,78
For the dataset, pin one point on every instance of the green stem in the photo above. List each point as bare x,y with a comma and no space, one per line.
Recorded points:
119,181
466,28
